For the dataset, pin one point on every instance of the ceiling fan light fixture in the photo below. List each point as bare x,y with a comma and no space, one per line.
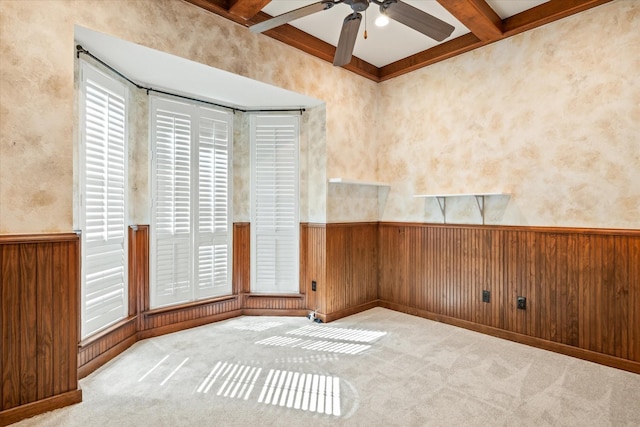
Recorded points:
382,21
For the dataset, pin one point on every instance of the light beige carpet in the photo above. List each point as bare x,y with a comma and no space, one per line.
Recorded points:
376,368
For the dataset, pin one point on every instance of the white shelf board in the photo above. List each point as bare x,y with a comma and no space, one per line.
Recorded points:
357,182
461,195
442,201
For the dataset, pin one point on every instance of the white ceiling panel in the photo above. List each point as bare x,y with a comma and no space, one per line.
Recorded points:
387,44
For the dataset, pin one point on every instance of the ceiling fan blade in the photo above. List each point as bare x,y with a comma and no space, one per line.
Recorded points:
291,16
347,40
417,19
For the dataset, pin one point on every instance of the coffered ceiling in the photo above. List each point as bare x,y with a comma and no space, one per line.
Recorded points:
394,50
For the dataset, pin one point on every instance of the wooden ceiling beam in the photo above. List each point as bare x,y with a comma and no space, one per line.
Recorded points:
219,7
293,37
477,16
307,43
546,13
438,53
247,9
516,24
474,14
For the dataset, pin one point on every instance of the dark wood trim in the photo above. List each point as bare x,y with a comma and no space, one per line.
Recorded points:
446,50
592,356
537,229
279,296
291,36
104,346
93,339
39,325
186,324
189,305
6,239
485,25
241,282
477,16
274,312
28,410
106,356
247,9
581,284
546,13
313,241
330,317
582,287
320,49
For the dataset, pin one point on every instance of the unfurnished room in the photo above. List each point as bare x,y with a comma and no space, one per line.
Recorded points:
334,212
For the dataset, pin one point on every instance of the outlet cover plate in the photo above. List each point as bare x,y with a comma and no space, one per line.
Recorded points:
486,296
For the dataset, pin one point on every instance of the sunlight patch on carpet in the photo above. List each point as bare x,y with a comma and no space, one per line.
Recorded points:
344,334
237,381
306,392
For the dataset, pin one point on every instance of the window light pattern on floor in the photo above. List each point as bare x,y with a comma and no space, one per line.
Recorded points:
236,381
356,335
307,392
330,346
258,327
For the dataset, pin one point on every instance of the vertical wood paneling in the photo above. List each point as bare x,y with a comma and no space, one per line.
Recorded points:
241,257
45,320
73,281
582,286
315,266
11,332
59,313
28,325
351,266
572,266
634,300
619,313
39,277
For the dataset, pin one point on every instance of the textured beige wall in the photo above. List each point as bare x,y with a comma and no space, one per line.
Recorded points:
551,115
37,93
313,193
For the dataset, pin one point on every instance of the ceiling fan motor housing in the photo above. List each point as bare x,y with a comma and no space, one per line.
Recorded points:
358,5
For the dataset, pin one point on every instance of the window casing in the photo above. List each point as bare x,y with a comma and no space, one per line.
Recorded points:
103,200
191,237
275,224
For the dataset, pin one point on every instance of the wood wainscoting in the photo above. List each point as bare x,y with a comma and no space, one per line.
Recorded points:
351,263
582,290
39,323
582,287
144,322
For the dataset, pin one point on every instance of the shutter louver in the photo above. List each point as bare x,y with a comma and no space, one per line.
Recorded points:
275,204
213,226
172,216
103,191
191,214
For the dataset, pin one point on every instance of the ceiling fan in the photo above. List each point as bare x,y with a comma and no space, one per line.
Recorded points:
394,9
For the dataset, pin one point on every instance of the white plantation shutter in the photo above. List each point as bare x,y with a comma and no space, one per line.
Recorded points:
213,266
172,205
103,184
191,256
275,224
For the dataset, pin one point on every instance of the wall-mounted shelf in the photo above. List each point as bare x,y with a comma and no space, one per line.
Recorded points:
442,201
357,182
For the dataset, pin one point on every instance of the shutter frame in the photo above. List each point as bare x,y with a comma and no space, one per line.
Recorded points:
103,200
206,271
275,249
